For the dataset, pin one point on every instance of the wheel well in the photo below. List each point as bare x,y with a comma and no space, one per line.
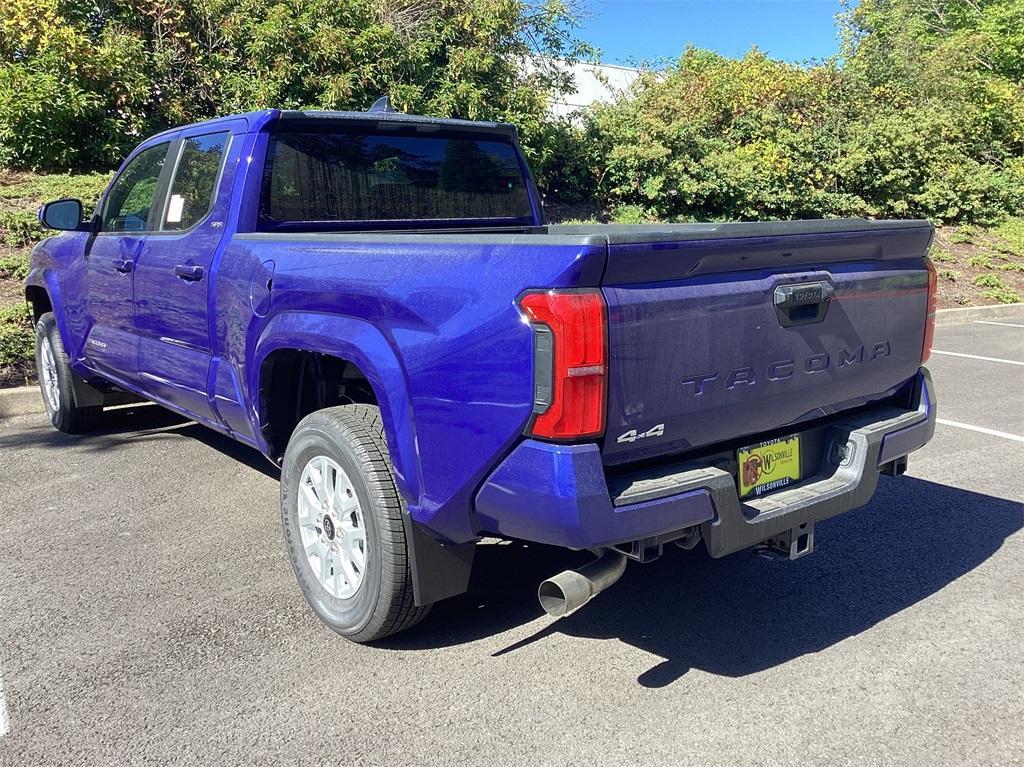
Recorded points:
40,301
295,383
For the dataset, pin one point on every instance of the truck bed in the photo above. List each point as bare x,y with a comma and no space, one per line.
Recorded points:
699,353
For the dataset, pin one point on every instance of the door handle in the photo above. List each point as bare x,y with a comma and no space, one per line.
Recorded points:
123,265
188,272
802,303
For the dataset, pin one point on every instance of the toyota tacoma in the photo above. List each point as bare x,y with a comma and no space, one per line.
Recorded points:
374,301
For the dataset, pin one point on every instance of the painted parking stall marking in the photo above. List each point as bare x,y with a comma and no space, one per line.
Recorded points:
1004,324
980,429
5,722
1013,322
978,357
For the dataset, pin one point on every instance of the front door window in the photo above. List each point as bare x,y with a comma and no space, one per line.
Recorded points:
129,204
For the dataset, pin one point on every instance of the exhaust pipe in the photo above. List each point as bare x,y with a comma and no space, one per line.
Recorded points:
571,589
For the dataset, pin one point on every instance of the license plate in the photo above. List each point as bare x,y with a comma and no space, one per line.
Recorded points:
768,465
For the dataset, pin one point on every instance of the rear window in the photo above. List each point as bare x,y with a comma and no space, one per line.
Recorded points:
360,177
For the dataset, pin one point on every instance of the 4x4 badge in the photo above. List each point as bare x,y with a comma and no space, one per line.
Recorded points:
632,435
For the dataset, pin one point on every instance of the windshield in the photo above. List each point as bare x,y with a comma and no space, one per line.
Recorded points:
366,177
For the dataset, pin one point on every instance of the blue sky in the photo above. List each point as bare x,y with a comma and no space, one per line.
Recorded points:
793,30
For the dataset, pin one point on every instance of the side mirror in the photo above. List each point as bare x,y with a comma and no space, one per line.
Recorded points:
61,214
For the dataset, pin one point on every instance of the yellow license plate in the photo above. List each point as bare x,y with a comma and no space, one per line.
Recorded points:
768,465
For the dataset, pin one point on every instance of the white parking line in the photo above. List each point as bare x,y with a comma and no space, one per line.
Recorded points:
1004,324
976,357
5,722
981,429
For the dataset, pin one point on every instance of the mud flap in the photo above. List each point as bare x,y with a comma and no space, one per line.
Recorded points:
85,394
439,570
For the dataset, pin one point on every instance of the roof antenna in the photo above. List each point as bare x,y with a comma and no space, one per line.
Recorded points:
382,105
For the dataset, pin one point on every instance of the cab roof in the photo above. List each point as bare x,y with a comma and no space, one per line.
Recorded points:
266,118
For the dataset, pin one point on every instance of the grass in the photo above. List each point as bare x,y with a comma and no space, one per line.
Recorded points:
979,264
942,256
996,289
17,341
21,194
962,235
14,266
1011,232
87,187
988,281
1002,295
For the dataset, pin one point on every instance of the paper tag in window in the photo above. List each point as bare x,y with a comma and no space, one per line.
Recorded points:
174,209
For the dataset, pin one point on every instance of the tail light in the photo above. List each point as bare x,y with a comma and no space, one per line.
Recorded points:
929,326
570,362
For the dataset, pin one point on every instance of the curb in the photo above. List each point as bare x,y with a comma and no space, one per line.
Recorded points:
23,400
972,313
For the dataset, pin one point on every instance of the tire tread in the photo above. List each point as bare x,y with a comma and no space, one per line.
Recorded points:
69,418
362,429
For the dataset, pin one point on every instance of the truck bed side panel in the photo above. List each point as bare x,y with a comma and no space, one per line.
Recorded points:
446,305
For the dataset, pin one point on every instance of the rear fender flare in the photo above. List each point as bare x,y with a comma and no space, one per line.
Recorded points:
360,343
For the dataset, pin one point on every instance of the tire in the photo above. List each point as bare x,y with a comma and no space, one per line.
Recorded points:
361,600
56,382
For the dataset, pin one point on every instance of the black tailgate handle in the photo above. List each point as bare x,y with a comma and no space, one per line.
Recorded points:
803,303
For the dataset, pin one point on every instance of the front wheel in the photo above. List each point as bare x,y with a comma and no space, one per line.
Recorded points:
342,519
56,383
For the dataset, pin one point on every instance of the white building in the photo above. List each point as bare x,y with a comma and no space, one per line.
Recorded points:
595,83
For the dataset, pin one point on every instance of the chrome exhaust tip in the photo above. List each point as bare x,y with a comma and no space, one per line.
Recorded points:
571,589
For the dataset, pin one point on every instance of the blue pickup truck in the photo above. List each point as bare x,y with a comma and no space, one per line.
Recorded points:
374,301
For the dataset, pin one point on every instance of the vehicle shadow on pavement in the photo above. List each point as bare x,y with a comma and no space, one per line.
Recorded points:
743,614
129,424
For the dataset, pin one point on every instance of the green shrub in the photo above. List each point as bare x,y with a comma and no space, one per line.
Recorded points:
980,261
962,234
1013,266
17,339
1002,294
20,228
913,119
20,201
14,267
81,85
989,281
39,118
1011,232
996,289
949,274
630,214
37,189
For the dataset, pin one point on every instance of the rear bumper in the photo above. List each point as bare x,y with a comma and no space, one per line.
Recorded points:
559,494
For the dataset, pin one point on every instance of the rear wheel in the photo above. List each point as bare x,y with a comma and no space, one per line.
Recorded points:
342,519
55,381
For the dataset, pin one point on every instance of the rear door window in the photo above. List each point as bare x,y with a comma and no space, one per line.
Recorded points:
373,177
194,187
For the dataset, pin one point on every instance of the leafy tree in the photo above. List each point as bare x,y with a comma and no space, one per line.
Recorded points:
79,84
923,114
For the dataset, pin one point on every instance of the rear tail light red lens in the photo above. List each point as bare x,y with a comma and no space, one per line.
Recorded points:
929,327
570,362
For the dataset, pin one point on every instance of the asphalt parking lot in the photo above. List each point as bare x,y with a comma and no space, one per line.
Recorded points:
148,614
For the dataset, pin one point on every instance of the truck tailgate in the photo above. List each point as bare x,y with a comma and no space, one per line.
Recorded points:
714,338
